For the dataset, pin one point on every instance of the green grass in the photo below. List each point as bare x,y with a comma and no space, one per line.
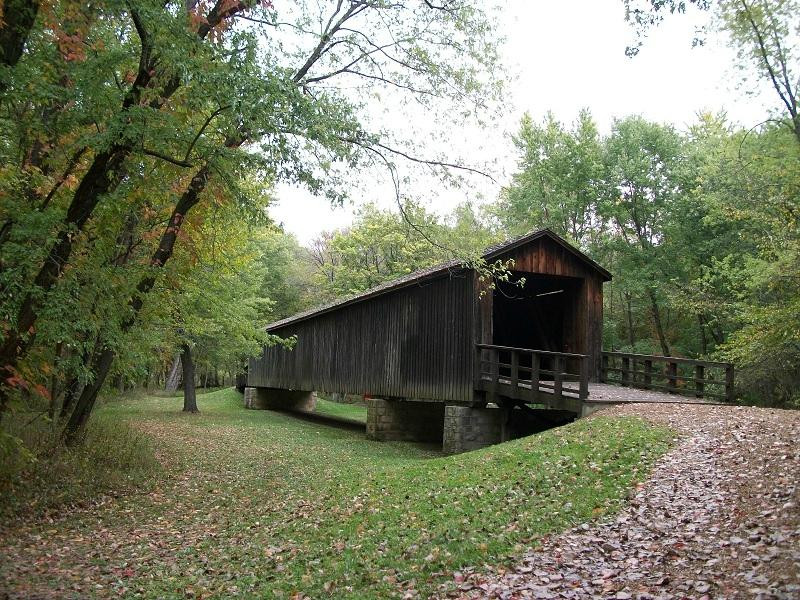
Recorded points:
338,410
263,504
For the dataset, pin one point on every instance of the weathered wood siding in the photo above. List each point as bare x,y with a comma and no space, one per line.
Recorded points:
413,342
583,328
418,341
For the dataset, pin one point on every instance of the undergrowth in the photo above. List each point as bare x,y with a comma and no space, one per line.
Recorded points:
39,475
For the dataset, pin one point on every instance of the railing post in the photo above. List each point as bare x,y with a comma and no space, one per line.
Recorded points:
604,368
672,377
729,383
535,365
648,374
699,381
558,376
626,371
494,353
583,390
514,371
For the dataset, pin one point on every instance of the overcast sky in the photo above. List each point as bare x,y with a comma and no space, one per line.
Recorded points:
564,56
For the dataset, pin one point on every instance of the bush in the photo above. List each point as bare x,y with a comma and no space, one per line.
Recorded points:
38,474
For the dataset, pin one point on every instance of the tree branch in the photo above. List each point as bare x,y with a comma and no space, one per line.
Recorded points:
169,159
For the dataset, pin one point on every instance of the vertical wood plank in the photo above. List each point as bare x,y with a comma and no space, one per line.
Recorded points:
515,372
672,377
535,365
699,383
583,389
729,384
558,376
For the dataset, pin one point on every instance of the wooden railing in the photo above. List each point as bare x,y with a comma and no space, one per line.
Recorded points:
531,375
686,376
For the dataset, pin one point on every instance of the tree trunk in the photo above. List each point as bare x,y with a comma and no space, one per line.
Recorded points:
174,377
657,321
629,312
19,17
703,339
83,408
189,392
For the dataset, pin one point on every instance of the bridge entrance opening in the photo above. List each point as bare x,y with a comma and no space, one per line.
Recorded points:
539,314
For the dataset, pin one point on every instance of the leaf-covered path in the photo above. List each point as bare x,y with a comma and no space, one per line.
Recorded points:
718,518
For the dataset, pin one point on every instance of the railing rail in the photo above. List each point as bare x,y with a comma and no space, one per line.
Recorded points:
528,374
671,374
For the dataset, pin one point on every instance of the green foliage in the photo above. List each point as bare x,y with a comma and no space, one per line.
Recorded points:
382,245
41,476
129,130
556,185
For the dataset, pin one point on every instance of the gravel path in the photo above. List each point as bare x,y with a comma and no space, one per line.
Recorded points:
718,518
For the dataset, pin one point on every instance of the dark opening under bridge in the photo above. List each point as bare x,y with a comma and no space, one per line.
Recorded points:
444,357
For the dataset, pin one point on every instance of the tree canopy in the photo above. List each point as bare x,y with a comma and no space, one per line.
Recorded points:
126,125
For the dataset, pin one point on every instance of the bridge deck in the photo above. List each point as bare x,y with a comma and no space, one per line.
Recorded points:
604,393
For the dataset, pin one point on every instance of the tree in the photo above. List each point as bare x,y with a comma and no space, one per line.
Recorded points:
135,98
764,34
765,37
556,185
640,190
748,188
217,314
381,245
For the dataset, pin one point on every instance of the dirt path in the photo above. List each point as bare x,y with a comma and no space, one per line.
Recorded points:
718,518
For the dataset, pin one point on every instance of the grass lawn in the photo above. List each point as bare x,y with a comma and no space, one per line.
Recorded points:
350,412
262,504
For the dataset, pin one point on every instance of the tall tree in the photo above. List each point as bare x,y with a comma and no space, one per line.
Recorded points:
640,190
556,185
193,97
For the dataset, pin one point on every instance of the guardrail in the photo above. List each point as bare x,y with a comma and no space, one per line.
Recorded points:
526,374
671,374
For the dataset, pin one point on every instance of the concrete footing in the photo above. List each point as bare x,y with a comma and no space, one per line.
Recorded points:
467,428
277,399
405,420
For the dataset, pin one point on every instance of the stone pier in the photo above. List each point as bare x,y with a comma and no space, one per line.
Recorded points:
405,420
277,399
467,428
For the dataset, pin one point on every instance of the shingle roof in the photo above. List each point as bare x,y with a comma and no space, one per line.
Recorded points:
491,253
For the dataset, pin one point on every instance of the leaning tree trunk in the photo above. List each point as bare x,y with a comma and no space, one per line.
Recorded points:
189,392
174,377
657,321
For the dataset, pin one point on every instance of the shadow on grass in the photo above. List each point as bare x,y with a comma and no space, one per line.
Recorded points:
339,422
353,425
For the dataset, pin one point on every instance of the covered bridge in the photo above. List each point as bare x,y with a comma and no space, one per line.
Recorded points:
443,356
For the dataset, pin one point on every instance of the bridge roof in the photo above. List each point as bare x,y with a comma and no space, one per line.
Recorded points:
491,253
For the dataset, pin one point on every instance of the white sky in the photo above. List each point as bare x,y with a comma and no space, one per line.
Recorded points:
567,55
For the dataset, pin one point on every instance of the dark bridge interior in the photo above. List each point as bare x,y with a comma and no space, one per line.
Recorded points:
534,315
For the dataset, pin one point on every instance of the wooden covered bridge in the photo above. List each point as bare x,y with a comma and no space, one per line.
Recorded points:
442,356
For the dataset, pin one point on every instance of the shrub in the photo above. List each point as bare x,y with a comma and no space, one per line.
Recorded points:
38,474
